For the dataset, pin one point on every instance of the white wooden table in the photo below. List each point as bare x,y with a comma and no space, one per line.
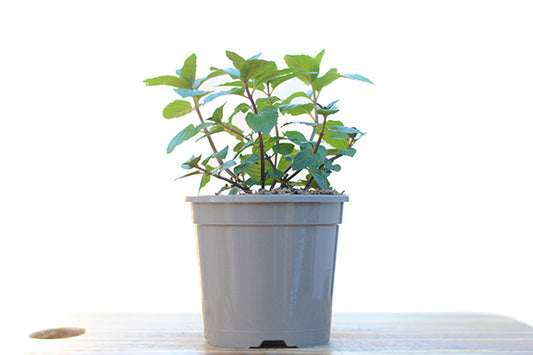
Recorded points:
360,333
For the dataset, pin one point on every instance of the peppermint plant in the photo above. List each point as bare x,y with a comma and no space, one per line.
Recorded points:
273,148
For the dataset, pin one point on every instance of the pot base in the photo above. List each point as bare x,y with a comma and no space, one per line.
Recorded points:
248,339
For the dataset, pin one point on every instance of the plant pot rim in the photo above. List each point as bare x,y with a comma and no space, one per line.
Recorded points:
267,198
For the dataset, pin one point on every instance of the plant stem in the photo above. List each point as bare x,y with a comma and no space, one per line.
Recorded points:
315,101
233,183
206,131
320,135
261,145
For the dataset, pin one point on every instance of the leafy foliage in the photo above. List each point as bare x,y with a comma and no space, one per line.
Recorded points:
265,153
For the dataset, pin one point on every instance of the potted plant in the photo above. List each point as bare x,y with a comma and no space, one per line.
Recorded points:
266,248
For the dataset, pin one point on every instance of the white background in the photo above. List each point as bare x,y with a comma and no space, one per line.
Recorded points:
440,217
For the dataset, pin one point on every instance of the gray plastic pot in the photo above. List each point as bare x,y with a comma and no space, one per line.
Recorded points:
267,264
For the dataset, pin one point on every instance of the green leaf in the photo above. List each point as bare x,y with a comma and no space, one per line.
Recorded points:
185,134
167,80
343,129
234,73
205,179
221,93
187,175
218,114
203,125
249,161
358,77
305,63
177,108
321,177
233,191
295,95
254,171
241,146
265,101
349,152
326,79
191,163
306,159
275,82
241,108
276,174
189,93
188,71
297,109
296,137
328,111
224,166
318,59
237,60
312,124
335,139
283,148
236,83
221,154
256,68
264,121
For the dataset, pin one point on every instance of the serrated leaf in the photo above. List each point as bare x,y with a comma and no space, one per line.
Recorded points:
328,111
249,161
185,134
297,109
237,60
188,71
312,124
283,148
224,166
187,175
177,108
218,114
205,179
264,121
203,125
189,93
241,146
321,178
349,152
318,58
236,83
276,174
221,154
335,139
241,108
256,69
326,79
305,159
275,82
220,93
296,137
192,162
254,171
303,62
295,95
234,73
343,129
265,101
167,80
358,77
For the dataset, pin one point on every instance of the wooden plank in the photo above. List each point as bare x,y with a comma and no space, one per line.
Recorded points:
141,334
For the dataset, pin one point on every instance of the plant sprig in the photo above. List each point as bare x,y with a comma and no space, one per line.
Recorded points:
265,152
